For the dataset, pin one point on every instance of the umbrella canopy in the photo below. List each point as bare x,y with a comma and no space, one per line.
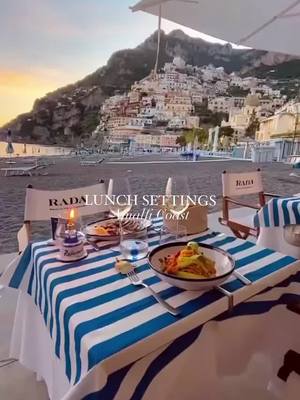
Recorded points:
9,147
272,25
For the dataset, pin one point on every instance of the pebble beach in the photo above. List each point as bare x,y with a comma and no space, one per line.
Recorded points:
147,175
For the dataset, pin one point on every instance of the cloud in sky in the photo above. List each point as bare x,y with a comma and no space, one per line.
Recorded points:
45,44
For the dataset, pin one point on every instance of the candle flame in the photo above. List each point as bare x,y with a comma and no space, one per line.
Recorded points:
72,214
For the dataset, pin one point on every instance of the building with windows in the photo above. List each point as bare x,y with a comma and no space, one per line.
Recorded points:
117,122
220,104
177,123
179,105
170,99
140,122
239,118
282,125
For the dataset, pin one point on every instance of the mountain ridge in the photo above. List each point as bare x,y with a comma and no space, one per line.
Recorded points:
71,112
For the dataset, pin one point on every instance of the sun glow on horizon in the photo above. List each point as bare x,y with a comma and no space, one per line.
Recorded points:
19,90
76,53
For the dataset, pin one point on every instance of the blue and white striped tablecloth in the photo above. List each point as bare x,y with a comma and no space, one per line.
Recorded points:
94,314
278,212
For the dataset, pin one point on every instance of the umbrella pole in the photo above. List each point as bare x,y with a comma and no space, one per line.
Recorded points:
295,133
158,42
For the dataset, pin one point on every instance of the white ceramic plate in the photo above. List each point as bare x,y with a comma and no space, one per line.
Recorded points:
92,231
224,265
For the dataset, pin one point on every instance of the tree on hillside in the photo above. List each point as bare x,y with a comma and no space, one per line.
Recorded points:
209,117
181,141
226,134
217,117
236,91
202,135
253,126
226,131
213,118
199,133
89,122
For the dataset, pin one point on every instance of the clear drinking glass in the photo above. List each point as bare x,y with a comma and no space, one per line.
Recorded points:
61,226
135,246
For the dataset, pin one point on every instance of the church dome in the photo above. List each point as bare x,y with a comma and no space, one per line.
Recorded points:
252,100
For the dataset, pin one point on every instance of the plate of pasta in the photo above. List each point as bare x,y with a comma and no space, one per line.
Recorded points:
191,266
109,229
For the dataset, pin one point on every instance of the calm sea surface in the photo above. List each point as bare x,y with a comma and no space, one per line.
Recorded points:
29,150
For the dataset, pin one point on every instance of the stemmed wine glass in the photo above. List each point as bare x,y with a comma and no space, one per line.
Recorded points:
177,202
120,202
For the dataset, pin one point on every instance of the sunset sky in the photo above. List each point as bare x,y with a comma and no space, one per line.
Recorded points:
45,44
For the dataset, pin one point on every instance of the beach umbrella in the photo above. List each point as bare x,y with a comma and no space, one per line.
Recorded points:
9,148
195,146
272,25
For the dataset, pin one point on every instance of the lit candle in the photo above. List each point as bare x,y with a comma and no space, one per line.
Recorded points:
71,233
71,224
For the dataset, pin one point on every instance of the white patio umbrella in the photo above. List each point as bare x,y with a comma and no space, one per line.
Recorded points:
272,25
9,148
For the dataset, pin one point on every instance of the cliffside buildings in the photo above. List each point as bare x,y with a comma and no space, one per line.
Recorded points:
282,129
159,107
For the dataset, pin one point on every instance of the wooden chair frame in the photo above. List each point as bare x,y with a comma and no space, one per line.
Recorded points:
242,231
25,233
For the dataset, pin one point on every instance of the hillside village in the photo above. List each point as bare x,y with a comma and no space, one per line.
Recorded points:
194,80
181,97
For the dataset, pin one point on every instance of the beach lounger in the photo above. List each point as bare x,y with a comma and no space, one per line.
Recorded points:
19,171
24,171
91,162
242,184
294,160
294,174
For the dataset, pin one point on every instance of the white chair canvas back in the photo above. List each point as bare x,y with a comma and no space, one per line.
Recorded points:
41,205
240,184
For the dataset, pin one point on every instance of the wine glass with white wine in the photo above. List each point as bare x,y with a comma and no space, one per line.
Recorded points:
176,197
120,198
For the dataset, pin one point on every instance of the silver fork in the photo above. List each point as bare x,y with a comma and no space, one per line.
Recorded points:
135,280
242,278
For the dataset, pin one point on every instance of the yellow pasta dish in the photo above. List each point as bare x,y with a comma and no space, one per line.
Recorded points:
189,263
